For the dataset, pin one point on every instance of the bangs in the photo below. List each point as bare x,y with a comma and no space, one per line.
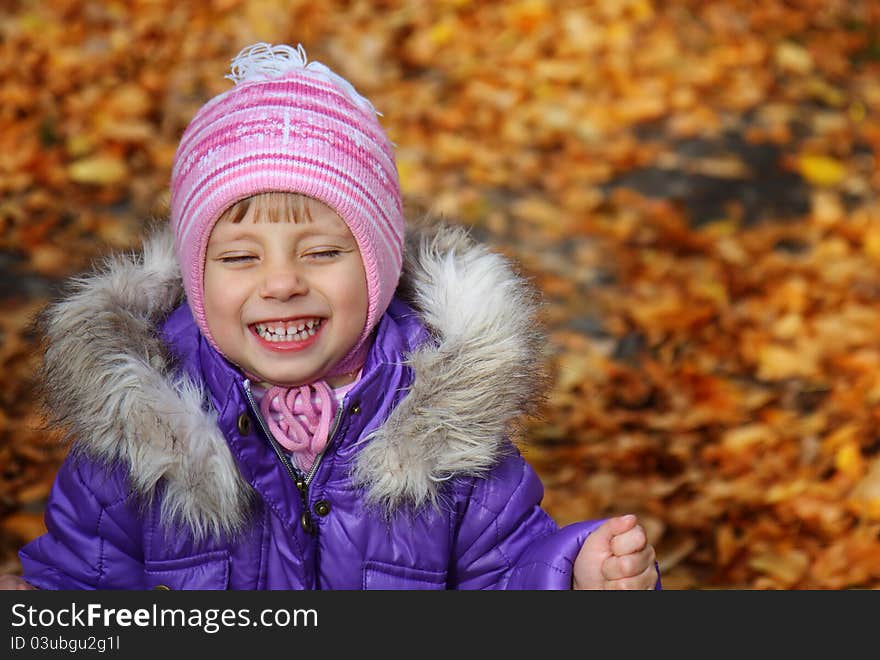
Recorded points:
269,207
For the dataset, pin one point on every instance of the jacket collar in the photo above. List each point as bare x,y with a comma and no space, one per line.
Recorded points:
112,383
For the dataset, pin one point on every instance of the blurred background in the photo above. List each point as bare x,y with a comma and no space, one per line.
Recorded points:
692,184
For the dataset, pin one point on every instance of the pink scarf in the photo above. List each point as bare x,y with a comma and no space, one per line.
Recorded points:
300,417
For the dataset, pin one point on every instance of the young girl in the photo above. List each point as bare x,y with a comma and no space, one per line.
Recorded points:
282,392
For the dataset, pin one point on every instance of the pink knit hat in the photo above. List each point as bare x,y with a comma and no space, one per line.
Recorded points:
289,126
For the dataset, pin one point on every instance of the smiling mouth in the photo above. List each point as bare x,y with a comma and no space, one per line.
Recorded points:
276,332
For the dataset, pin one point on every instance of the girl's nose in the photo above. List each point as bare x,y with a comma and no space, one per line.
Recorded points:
283,282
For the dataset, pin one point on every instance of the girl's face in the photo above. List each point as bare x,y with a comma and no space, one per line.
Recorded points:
285,301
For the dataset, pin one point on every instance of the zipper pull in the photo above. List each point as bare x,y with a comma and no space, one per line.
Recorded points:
305,520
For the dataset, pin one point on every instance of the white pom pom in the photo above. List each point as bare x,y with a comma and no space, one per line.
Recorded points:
261,61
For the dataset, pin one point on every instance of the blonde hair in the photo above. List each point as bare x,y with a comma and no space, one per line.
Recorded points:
269,207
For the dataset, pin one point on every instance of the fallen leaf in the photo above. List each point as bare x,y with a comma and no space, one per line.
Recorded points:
99,170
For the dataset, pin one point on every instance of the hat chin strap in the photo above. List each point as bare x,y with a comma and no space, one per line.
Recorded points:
354,359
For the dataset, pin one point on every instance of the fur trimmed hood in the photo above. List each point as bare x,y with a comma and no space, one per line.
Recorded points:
110,383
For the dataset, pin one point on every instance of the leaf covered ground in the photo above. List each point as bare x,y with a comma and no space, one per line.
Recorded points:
692,185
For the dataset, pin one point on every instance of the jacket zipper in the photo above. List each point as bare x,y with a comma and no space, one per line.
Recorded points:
300,480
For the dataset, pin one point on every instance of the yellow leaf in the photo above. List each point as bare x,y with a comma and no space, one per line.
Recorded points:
537,210
857,111
266,18
780,362
793,57
787,567
827,208
826,93
79,145
849,461
840,437
872,243
642,11
442,33
789,326
129,101
744,437
866,494
712,290
99,170
781,492
821,170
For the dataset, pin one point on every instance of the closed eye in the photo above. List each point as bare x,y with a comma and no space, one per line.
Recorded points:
325,254
237,259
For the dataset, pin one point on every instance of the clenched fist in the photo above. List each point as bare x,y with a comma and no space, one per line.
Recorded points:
616,556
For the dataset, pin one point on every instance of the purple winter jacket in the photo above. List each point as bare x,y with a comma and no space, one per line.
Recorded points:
172,481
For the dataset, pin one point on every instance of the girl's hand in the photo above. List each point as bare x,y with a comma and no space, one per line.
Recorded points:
616,556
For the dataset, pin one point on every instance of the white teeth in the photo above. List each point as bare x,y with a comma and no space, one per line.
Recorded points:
301,331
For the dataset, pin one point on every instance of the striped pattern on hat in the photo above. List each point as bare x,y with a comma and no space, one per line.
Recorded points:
289,125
